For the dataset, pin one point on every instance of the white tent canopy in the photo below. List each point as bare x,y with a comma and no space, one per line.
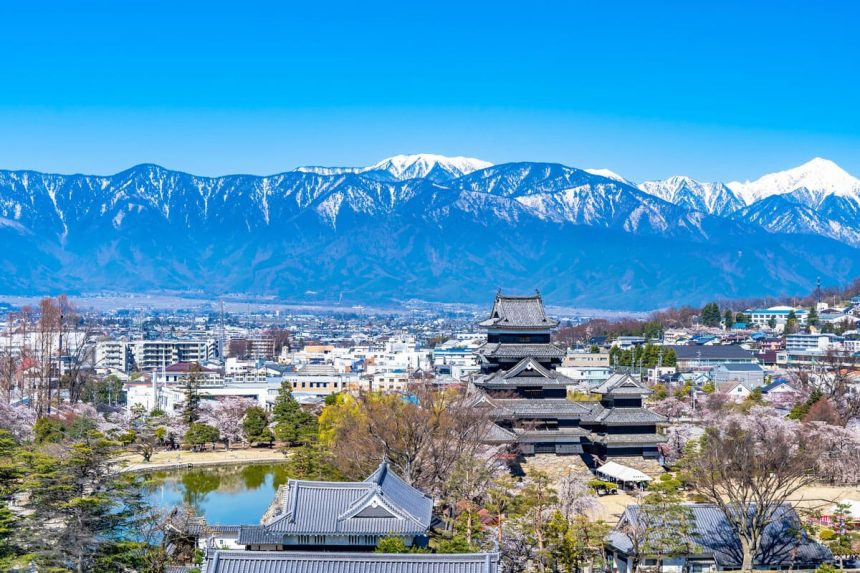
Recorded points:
620,473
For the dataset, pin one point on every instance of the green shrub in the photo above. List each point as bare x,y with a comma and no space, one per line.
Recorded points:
49,431
391,545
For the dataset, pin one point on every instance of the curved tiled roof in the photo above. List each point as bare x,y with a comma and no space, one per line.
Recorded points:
510,350
622,416
518,312
221,561
380,505
621,385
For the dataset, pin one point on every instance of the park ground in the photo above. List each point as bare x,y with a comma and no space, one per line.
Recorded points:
171,459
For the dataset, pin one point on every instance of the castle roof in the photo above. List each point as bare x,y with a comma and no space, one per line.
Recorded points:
518,313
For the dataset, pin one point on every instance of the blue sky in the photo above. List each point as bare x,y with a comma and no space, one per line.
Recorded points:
649,89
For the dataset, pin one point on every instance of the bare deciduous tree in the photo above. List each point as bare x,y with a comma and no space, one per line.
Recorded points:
422,439
749,466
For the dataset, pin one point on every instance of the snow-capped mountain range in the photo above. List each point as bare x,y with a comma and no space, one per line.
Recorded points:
416,166
431,227
818,197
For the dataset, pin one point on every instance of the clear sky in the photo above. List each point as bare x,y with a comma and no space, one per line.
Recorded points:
720,90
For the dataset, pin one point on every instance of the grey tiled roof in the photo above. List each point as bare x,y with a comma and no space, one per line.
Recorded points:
717,352
713,537
742,367
201,528
385,502
527,372
558,435
620,416
628,438
524,407
518,312
621,385
496,434
528,366
304,562
506,350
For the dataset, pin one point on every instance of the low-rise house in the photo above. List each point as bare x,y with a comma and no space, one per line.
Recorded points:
707,357
182,372
714,546
779,386
625,342
588,375
734,389
750,375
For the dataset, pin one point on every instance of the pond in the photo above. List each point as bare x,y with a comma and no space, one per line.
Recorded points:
227,495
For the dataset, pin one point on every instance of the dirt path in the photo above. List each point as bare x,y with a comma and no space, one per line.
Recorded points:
164,460
816,497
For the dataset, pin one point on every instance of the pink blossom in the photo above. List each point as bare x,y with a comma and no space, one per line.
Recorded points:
18,420
226,415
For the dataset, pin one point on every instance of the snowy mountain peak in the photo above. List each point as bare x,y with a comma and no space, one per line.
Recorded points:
609,175
818,178
421,164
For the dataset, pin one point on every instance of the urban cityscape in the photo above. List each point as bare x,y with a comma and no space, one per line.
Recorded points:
379,287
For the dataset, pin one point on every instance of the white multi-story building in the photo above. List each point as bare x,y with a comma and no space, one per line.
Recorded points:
586,360
112,355
126,356
457,361
819,341
761,317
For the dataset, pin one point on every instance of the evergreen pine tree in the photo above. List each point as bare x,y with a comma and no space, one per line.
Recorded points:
812,317
711,314
191,405
791,322
256,425
292,423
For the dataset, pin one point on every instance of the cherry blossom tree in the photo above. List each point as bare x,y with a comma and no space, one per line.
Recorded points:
18,420
671,407
575,497
838,452
226,415
677,438
715,404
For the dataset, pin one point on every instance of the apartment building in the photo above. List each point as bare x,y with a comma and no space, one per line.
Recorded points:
125,356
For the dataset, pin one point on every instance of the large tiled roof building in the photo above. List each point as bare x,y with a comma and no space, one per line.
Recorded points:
322,527
346,515
526,396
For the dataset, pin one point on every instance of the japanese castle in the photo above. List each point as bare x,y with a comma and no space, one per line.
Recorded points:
527,397
321,526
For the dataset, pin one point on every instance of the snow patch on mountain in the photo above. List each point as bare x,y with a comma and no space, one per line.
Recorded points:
609,174
320,170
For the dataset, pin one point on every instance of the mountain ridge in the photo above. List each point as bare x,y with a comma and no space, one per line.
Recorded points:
588,239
